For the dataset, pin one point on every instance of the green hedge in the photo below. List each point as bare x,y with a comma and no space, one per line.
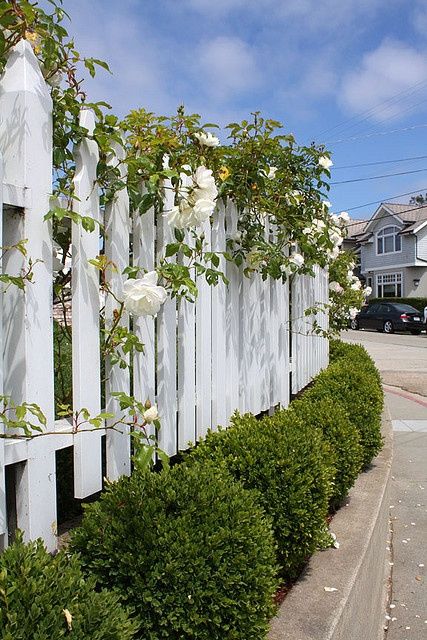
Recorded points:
353,382
418,303
343,437
36,589
290,466
189,548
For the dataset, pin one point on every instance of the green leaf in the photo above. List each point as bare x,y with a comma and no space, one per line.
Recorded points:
172,249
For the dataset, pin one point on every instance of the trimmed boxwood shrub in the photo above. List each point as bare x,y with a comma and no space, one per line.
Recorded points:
328,416
339,350
36,589
350,383
290,466
189,547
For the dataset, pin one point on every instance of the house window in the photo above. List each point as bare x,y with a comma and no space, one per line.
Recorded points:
389,285
389,240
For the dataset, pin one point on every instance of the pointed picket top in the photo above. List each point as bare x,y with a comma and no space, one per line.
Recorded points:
26,122
22,73
86,153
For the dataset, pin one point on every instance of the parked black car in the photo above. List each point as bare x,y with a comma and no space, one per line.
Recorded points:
389,317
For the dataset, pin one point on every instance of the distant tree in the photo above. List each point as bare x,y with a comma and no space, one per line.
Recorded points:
419,200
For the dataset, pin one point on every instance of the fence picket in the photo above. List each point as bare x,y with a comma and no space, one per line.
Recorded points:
85,313
186,360
26,145
117,228
144,376
3,514
232,320
203,348
166,344
219,332
285,337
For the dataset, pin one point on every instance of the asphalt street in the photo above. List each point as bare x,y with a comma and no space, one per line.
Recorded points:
402,361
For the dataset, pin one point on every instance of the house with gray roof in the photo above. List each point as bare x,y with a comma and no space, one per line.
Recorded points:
393,250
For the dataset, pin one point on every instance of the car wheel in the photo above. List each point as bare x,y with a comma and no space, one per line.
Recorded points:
354,324
388,326
416,332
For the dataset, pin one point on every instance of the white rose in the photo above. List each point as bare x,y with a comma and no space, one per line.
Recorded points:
180,216
318,225
206,139
56,79
334,253
205,182
271,172
297,259
143,297
356,285
325,162
335,286
353,312
367,291
151,414
336,237
202,210
343,217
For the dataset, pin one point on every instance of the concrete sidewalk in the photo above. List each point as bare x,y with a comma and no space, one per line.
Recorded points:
406,613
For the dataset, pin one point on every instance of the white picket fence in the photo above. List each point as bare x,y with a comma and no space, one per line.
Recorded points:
229,350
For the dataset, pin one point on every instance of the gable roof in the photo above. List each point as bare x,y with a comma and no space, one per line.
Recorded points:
412,217
355,228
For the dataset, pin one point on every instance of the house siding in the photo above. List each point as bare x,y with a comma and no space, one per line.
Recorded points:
416,273
369,257
422,244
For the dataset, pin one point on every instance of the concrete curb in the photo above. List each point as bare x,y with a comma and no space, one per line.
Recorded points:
355,611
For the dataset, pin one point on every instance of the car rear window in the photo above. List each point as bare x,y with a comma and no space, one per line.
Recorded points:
405,307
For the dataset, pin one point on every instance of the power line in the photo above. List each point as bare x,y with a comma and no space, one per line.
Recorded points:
400,195
397,213
385,175
372,110
375,133
371,164
398,113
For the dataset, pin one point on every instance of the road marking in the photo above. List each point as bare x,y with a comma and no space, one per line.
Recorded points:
404,394
418,426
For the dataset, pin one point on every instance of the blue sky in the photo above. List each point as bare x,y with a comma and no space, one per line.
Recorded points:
329,70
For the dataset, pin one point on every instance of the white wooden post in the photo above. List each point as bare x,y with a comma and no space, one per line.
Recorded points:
203,348
166,344
186,360
233,327
3,514
284,342
85,310
219,330
117,228
144,374
26,144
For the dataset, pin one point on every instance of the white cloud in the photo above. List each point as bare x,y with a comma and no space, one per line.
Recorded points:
392,68
419,17
226,67
141,59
